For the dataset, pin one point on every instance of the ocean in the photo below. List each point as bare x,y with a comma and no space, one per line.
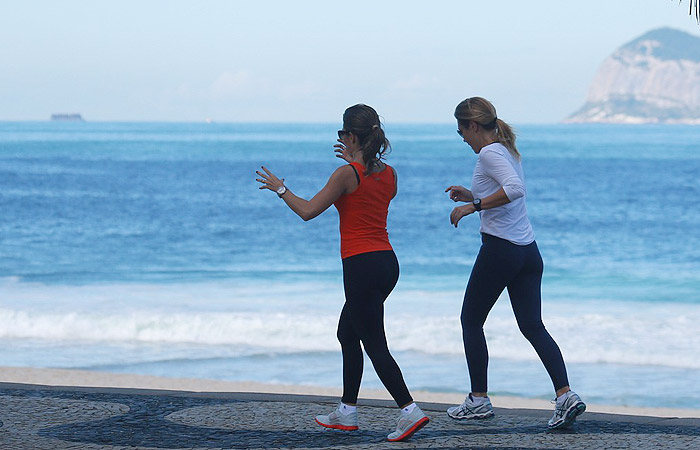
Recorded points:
147,248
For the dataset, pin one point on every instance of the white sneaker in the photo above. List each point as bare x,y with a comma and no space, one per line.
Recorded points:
565,413
338,420
470,410
408,424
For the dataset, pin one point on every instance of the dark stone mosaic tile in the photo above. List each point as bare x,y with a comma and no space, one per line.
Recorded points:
147,424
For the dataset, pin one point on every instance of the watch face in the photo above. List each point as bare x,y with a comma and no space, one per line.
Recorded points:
281,190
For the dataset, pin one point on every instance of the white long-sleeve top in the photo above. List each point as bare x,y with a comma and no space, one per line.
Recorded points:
496,168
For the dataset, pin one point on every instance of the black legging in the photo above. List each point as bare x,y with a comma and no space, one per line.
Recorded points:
502,264
368,279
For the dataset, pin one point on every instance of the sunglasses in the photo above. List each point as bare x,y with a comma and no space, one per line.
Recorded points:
342,134
459,130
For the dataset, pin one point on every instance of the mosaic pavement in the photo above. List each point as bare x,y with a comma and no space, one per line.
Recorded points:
42,418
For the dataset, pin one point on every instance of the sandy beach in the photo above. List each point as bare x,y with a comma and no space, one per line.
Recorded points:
62,377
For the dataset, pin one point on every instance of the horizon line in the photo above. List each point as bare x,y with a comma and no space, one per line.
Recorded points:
279,122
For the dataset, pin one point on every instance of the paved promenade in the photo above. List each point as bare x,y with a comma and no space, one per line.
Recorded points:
58,418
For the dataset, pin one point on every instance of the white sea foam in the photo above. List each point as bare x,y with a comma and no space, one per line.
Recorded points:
635,334
302,317
277,331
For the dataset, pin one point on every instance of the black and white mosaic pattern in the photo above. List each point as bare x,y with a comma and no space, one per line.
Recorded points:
80,418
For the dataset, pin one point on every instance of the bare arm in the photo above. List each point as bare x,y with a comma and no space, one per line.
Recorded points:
498,198
460,194
342,181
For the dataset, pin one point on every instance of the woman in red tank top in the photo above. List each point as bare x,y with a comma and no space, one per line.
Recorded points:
361,191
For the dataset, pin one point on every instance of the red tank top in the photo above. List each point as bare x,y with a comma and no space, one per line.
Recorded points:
363,213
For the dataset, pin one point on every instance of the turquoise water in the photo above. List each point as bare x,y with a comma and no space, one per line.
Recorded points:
148,248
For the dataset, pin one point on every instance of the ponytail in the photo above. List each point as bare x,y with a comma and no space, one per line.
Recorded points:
374,148
482,111
506,136
363,121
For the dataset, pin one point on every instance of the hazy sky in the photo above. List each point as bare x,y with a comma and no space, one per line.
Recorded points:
294,61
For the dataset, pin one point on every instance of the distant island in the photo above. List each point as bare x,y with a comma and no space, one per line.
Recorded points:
67,118
652,79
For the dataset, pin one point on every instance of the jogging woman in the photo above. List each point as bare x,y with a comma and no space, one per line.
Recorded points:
361,191
508,259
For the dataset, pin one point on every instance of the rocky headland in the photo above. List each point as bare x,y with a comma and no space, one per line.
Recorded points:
652,79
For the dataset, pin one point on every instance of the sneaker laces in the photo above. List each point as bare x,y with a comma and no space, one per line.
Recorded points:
463,406
557,408
468,405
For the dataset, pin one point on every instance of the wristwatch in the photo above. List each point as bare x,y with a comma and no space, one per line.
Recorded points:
281,190
477,204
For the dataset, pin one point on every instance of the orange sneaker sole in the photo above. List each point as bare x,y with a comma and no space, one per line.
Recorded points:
338,427
418,425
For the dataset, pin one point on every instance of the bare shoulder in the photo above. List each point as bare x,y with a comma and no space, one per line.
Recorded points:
344,171
347,177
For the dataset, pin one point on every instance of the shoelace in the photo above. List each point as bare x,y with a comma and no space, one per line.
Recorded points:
464,408
559,409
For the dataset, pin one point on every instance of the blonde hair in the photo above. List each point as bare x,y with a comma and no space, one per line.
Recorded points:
482,111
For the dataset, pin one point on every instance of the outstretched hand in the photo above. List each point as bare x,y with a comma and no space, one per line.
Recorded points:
342,151
269,180
460,194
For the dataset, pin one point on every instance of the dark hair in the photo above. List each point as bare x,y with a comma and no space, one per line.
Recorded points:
363,121
482,111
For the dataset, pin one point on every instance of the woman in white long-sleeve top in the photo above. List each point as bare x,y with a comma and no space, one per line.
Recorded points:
508,259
